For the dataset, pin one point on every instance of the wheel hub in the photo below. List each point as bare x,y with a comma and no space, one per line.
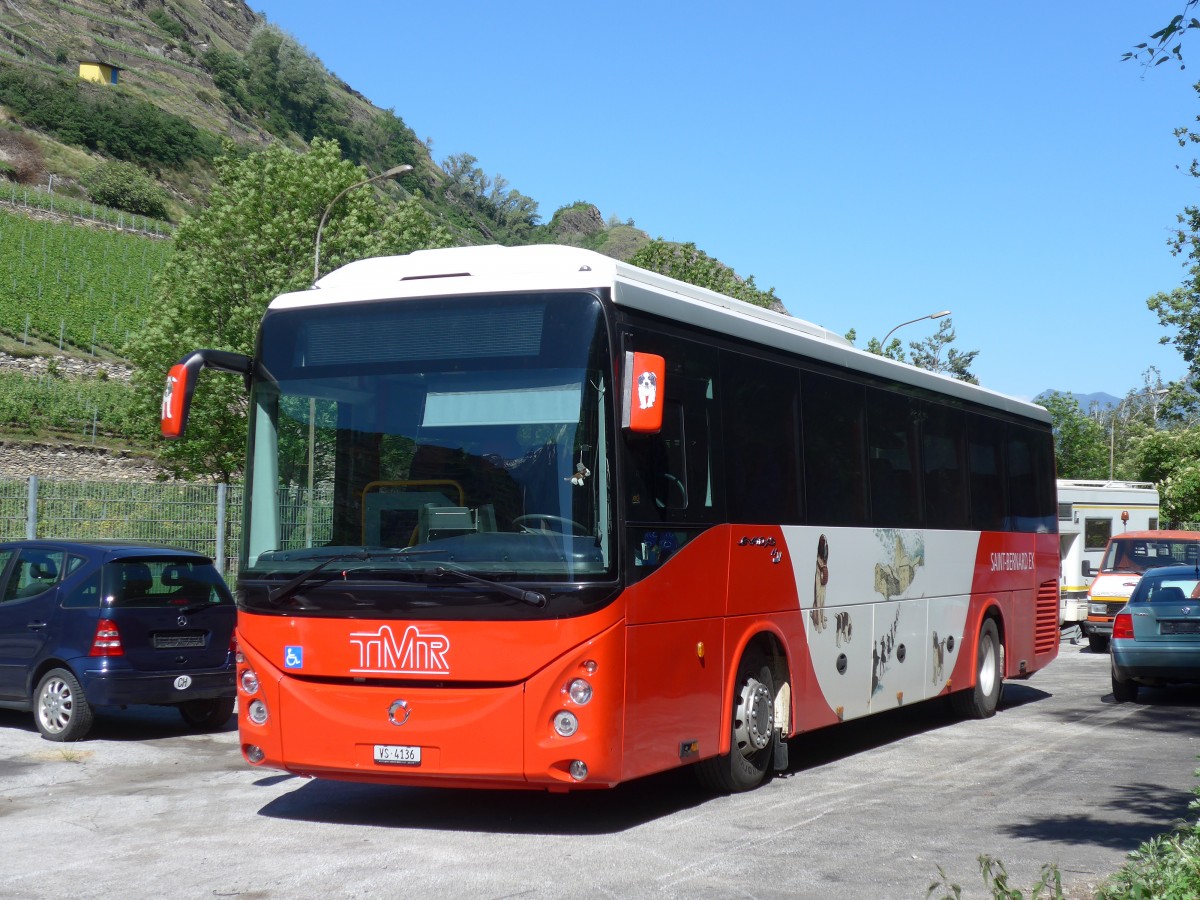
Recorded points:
756,721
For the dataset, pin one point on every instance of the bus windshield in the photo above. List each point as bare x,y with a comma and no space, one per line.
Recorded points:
419,438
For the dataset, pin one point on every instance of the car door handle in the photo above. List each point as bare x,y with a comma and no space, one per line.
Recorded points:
36,626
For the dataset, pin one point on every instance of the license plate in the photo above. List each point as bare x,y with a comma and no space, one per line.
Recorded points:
395,755
1180,627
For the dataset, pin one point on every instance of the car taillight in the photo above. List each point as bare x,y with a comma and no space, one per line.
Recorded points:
1123,626
107,641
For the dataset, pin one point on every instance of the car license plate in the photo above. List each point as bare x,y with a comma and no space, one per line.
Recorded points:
1187,627
396,755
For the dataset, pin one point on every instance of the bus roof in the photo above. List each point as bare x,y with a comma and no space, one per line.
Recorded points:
545,267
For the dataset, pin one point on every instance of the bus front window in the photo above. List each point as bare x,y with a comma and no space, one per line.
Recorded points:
486,449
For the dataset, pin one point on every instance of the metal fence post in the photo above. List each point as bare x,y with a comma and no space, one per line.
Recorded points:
31,509
220,555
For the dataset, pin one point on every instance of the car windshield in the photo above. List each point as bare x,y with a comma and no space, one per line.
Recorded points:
1141,554
406,437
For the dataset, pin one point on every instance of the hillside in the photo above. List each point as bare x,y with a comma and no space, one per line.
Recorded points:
181,83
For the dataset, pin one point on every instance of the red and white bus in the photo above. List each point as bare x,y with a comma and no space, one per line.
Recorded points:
535,518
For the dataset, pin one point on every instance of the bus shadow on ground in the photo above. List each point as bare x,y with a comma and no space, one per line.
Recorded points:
826,745
509,812
590,812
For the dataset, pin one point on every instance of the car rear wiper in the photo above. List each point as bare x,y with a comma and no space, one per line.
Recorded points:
533,598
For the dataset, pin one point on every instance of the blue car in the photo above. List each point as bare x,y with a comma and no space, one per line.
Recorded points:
85,624
1156,635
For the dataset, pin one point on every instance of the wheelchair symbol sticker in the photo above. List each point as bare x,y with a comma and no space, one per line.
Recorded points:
293,657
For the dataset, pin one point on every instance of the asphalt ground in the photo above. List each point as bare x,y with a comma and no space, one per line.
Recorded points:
871,809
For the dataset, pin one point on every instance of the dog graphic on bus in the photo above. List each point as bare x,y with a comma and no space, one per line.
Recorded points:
647,388
820,580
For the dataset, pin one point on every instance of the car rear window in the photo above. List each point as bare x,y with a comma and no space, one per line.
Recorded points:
163,582
1166,590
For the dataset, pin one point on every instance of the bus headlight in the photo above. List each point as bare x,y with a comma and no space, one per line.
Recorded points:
565,723
580,691
249,681
257,712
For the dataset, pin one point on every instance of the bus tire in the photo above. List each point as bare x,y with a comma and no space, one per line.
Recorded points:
1098,643
752,732
981,700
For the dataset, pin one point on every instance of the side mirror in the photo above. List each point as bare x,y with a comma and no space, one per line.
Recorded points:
1085,569
643,392
181,384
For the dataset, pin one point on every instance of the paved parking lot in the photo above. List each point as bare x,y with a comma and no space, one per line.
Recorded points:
869,809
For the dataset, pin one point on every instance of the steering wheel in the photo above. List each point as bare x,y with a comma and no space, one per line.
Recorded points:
671,482
565,526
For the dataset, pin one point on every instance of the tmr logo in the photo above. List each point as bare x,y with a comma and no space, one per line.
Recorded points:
415,654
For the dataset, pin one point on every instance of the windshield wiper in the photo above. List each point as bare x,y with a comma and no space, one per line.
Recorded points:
288,590
533,598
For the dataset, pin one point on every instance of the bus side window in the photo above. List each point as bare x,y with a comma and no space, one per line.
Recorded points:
989,499
944,466
759,408
835,487
891,457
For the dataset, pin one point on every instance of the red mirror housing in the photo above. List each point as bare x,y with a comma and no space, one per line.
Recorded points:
181,383
643,392
175,402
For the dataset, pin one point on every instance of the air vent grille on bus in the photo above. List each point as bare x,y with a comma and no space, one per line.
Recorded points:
1045,635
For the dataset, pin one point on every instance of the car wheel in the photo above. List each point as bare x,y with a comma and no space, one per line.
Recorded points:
1123,691
60,709
207,715
981,701
1098,643
752,738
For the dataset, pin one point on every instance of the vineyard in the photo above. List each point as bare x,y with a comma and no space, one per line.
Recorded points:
86,409
84,287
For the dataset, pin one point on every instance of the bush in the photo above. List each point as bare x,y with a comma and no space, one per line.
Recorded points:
123,185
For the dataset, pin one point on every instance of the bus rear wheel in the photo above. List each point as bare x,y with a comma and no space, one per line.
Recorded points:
752,732
980,701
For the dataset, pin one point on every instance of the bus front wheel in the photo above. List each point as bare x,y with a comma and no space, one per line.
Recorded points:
980,701
752,738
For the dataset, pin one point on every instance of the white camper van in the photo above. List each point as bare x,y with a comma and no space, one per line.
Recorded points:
1089,513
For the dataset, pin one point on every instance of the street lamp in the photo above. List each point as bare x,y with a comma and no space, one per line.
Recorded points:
1112,426
390,173
936,315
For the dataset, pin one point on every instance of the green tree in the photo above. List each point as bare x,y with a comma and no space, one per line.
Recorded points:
1167,42
1080,441
933,354
256,240
936,355
686,263
1171,459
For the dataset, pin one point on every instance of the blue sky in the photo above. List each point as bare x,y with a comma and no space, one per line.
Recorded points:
871,162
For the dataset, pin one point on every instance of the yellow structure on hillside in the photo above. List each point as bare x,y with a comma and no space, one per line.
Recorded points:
99,72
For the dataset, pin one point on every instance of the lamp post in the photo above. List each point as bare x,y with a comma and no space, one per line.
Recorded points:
936,315
1112,426
390,173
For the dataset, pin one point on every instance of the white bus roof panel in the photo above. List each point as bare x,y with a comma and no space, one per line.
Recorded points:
545,267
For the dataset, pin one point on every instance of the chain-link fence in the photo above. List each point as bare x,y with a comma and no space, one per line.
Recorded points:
202,517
